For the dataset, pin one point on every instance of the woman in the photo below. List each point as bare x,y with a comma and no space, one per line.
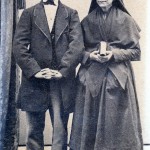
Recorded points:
106,113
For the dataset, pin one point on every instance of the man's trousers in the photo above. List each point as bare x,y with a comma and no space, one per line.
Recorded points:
36,123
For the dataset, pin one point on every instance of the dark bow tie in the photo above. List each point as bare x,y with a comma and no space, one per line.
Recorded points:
49,2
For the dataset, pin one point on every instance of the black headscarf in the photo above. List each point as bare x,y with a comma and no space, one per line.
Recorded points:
118,3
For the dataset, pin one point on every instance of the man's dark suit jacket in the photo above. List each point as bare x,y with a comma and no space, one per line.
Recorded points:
32,49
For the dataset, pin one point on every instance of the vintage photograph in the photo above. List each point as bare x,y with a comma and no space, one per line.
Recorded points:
74,75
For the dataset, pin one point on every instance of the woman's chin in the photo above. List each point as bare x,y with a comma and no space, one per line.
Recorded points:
102,5
105,8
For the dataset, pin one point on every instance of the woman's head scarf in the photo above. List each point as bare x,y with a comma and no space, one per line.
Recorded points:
118,3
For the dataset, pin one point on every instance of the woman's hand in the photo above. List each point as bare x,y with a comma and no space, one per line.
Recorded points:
101,59
95,56
106,58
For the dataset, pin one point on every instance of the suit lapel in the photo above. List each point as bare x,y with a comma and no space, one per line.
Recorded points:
41,20
61,21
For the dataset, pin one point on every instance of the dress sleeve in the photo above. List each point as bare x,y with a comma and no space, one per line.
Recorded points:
133,54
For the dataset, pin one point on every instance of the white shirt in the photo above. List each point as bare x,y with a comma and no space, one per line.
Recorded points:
50,11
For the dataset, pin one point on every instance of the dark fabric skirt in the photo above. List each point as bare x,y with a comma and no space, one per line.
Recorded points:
109,121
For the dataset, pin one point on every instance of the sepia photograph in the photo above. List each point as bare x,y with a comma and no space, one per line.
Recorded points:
74,75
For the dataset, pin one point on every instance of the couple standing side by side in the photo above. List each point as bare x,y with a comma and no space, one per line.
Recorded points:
48,45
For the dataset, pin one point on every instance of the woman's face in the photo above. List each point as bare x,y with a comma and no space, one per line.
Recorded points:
104,3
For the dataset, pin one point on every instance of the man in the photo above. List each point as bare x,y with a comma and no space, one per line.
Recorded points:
48,46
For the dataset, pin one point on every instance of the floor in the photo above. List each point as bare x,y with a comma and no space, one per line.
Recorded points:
48,148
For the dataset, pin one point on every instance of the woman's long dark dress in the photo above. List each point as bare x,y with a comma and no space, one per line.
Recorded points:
106,113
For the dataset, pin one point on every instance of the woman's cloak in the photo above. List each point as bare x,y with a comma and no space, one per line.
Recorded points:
107,114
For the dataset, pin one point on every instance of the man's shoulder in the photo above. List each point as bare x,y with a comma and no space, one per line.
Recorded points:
31,9
69,9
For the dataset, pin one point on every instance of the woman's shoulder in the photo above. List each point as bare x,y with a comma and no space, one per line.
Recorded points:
89,17
126,18
123,16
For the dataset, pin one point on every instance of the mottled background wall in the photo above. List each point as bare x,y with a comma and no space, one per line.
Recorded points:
138,9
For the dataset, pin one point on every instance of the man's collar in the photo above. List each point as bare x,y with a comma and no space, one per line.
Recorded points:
56,2
50,2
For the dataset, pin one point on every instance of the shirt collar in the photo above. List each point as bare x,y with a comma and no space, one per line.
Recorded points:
56,2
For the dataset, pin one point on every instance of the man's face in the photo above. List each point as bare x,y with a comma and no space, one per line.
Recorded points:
104,3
